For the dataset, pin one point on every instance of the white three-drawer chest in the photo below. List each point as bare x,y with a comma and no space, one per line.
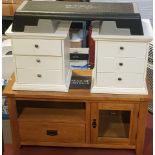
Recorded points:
41,59
120,59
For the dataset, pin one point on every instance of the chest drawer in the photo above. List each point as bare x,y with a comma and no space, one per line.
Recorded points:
51,132
124,65
39,76
121,49
36,47
40,62
122,80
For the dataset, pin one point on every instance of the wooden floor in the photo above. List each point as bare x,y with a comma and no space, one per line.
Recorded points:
148,147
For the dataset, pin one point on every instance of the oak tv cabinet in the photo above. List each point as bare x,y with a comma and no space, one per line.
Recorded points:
77,119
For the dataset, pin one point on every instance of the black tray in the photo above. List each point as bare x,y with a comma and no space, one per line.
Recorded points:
29,12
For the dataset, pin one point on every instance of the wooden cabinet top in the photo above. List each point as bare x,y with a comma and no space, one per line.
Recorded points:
80,95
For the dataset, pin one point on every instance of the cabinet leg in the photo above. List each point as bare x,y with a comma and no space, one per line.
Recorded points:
143,110
14,125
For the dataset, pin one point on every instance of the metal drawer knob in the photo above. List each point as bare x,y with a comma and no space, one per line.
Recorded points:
36,46
120,64
38,60
121,48
119,79
39,75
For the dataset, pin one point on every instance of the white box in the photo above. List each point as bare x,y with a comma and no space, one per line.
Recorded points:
7,60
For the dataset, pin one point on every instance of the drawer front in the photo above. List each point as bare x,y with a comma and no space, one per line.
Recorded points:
39,76
126,80
124,65
51,132
36,47
40,62
121,49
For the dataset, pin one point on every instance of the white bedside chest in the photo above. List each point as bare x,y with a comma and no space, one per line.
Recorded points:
120,61
42,59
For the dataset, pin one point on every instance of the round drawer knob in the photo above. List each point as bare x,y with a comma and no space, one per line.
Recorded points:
119,79
39,75
121,48
38,60
36,46
120,64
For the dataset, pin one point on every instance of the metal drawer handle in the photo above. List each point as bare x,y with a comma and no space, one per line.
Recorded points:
119,79
120,64
36,46
38,60
52,132
121,48
39,75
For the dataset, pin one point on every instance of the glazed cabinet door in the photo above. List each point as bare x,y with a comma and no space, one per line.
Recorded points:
114,123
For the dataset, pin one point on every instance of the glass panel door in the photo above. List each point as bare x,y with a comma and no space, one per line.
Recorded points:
114,123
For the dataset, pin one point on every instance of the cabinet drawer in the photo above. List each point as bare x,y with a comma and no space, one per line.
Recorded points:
121,49
126,80
124,65
39,76
40,62
36,47
51,132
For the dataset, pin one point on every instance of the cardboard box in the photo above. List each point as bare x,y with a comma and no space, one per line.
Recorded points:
75,44
75,38
79,63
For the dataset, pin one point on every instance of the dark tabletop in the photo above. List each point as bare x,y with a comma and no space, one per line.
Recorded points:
77,7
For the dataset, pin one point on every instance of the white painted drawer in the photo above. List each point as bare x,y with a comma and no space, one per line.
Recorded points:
39,76
126,80
124,65
40,62
36,47
121,49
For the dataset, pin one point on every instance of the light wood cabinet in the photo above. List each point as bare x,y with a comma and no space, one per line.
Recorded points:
77,119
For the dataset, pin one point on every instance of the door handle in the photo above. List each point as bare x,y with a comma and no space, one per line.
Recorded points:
94,124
